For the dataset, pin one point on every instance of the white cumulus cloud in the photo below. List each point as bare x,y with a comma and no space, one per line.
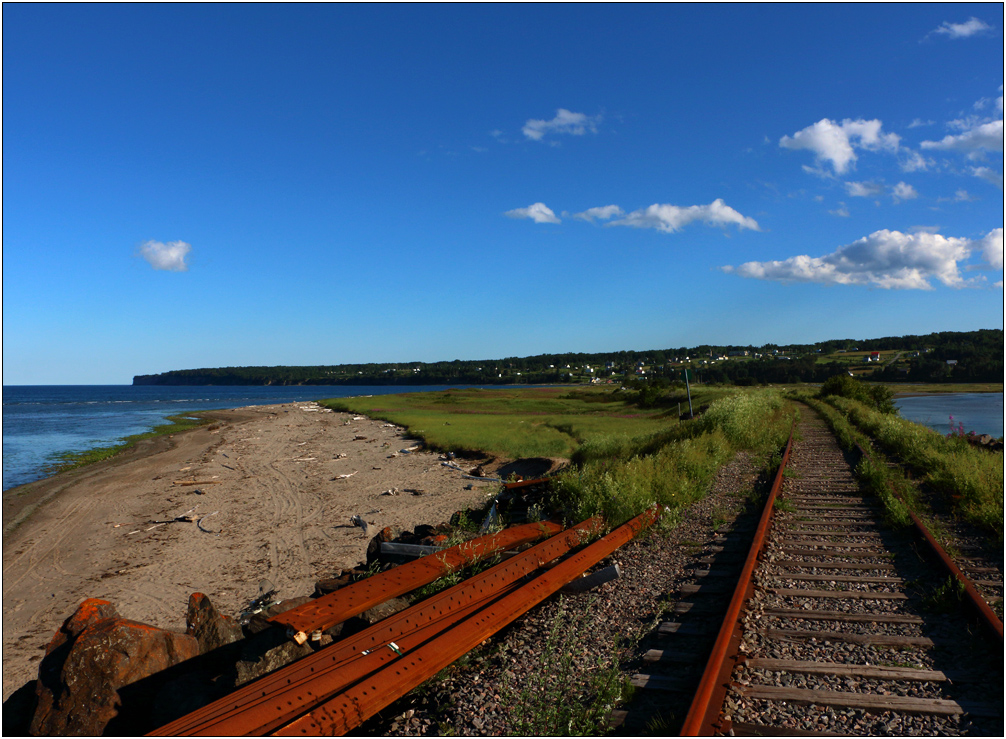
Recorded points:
989,175
987,136
835,142
538,212
602,213
169,256
886,259
970,27
863,189
903,191
565,121
915,162
671,218
991,248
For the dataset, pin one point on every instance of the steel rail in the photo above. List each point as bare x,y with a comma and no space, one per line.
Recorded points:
334,608
362,700
706,706
986,616
260,711
279,689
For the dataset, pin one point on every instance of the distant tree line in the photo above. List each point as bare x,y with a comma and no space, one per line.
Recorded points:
978,355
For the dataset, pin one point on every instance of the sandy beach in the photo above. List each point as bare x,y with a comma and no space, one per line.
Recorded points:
270,499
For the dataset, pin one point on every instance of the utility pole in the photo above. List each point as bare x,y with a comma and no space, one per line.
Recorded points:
688,389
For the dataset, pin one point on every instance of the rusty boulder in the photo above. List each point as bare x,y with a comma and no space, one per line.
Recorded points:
93,654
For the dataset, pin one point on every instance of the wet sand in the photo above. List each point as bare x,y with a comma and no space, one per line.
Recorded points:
272,499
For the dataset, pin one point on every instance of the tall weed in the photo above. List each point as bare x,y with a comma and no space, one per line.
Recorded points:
619,477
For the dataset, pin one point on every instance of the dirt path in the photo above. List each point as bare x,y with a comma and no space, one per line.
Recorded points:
271,489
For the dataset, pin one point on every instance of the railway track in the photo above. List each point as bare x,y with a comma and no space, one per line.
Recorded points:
835,624
845,626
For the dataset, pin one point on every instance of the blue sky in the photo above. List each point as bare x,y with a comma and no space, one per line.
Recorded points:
223,185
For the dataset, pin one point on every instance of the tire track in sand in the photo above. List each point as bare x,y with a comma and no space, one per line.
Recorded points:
42,548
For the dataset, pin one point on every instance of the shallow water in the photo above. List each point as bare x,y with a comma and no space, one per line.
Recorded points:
42,421
978,412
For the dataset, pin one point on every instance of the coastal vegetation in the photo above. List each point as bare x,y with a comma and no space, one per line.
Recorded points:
675,468
967,479
944,357
626,457
526,422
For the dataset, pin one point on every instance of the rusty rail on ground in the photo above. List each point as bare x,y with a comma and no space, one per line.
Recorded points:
268,703
704,712
356,704
527,483
334,608
977,604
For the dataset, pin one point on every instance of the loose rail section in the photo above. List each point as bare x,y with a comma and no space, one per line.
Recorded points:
342,685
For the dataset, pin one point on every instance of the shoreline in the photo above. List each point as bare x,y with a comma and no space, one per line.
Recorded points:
20,501
277,485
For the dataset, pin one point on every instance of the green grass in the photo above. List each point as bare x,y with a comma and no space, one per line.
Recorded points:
72,460
517,423
625,458
553,698
679,469
877,477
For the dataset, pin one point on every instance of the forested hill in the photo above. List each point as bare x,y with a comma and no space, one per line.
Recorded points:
949,356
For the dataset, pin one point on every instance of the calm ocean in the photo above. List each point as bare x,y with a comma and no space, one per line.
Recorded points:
41,421
979,412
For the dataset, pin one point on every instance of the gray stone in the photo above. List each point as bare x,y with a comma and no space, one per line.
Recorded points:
208,626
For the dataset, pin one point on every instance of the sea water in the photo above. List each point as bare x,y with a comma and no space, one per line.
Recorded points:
43,421
978,412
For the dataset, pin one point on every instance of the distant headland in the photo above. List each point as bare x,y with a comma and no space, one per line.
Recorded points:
947,356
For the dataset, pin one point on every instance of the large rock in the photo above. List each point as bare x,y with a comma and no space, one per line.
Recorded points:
94,653
208,626
268,646
266,652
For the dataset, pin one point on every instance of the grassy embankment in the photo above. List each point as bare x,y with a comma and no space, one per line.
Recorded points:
965,480
626,457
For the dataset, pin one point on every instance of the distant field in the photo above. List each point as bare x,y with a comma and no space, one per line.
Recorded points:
856,358
525,422
945,387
